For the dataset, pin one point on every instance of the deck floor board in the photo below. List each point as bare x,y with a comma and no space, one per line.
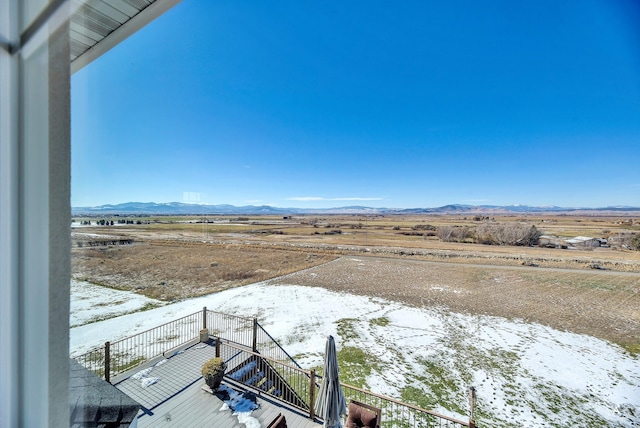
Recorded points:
177,399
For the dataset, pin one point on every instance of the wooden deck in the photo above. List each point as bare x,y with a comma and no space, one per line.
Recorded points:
177,398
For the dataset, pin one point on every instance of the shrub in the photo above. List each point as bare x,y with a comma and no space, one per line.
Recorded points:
213,367
424,227
508,234
455,233
213,372
334,232
445,232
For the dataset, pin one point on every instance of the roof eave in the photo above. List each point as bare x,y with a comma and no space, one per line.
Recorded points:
125,30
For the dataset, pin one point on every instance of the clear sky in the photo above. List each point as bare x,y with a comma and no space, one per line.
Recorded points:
383,104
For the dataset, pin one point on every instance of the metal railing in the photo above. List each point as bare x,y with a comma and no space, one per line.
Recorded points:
267,376
299,388
132,351
233,328
93,360
286,380
122,355
396,414
269,347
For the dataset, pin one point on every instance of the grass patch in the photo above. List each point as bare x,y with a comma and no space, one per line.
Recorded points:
381,321
120,362
97,318
149,305
557,401
418,397
346,328
632,348
439,378
355,365
114,303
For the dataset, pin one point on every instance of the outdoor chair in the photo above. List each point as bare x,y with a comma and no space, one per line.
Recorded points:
278,422
363,416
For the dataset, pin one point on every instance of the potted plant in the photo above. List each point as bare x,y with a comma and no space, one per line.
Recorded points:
213,372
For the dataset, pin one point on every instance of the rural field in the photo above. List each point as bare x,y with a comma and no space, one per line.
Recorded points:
592,291
504,314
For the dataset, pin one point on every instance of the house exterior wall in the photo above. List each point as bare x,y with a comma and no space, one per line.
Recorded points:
34,213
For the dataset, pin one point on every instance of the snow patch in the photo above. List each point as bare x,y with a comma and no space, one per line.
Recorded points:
248,420
148,381
142,373
91,303
525,374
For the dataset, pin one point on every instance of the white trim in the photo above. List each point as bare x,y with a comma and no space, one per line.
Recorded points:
35,248
9,321
147,15
34,221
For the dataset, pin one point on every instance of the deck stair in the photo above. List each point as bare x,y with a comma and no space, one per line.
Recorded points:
258,374
160,368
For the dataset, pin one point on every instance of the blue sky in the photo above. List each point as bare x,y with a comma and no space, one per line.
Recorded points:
325,104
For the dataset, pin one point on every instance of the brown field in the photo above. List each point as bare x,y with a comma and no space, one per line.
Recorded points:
601,304
173,270
180,257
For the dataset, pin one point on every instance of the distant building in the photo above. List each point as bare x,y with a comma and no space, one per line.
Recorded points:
550,241
585,242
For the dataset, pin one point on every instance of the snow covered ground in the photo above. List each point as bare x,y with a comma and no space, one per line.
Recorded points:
525,374
91,303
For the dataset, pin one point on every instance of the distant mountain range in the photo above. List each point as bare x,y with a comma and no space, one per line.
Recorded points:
179,208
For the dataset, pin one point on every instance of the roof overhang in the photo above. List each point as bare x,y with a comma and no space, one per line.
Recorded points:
96,26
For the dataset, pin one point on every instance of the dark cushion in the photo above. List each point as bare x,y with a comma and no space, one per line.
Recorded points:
369,419
359,417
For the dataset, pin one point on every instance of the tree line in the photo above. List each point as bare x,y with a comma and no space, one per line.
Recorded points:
518,234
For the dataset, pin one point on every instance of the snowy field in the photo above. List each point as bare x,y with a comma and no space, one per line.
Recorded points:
525,374
91,303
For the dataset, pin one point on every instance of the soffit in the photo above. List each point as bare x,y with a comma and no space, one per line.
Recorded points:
98,25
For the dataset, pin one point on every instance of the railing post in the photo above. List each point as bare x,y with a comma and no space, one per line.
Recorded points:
472,407
255,335
217,339
204,317
107,361
312,393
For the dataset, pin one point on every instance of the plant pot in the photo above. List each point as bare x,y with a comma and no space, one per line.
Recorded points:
214,381
204,335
